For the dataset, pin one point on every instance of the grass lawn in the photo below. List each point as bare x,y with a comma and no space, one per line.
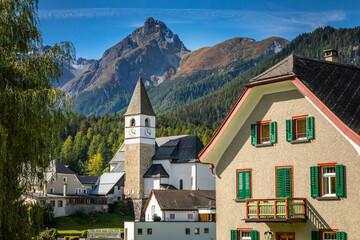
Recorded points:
76,224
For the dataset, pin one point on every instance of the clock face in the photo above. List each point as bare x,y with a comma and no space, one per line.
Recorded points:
132,131
148,132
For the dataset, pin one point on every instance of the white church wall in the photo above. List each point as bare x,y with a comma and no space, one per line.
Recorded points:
140,119
181,171
153,208
205,181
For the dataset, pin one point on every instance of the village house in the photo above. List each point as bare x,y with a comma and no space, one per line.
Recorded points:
287,156
156,163
179,213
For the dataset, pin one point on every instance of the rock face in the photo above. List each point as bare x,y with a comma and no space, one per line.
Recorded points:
152,50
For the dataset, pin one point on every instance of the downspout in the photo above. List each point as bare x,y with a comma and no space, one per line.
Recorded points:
211,166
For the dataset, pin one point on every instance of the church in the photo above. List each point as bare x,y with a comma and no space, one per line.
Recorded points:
168,163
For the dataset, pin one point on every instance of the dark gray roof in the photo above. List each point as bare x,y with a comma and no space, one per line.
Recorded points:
184,148
60,168
180,200
140,103
156,170
337,85
88,179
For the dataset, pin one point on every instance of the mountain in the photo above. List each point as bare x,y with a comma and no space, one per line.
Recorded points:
206,70
152,50
212,108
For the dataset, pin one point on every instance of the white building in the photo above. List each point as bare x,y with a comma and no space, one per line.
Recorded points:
180,214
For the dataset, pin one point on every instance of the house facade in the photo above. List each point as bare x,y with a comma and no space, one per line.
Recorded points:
181,214
287,156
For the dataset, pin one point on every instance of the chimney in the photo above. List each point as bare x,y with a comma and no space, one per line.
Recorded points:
65,190
45,188
331,55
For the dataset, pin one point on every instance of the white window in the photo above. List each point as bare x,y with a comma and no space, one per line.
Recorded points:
245,235
65,179
265,132
172,216
329,236
51,190
300,128
190,216
85,191
75,180
328,181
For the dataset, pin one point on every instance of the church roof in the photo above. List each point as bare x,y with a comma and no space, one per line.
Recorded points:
184,200
156,170
140,103
337,85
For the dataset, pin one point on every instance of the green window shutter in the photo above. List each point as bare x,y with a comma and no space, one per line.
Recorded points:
314,181
273,132
241,188
289,130
247,184
315,235
310,127
340,236
280,182
287,183
340,180
234,235
254,134
254,235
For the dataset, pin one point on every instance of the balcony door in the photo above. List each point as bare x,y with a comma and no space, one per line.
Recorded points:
284,182
286,236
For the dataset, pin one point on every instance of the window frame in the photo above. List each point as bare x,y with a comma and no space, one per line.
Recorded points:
139,231
321,190
60,203
197,231
259,131
149,231
206,230
241,230
190,216
295,119
322,231
65,179
187,231
237,182
172,216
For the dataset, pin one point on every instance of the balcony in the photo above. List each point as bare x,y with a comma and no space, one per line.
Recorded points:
289,210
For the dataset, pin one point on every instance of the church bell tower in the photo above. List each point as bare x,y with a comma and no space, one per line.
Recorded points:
139,141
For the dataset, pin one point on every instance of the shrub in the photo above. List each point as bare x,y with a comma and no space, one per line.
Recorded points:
67,237
122,208
74,238
84,233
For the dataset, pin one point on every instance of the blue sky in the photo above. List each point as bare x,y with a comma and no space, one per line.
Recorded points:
95,25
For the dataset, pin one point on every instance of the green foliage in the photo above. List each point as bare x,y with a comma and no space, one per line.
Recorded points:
31,109
67,237
84,233
50,234
95,166
36,218
74,238
123,208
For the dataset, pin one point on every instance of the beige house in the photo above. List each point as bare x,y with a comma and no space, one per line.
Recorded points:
287,156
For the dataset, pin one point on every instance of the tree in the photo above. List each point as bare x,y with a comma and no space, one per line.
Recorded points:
32,111
95,166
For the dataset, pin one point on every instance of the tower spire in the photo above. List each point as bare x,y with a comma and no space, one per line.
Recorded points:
140,103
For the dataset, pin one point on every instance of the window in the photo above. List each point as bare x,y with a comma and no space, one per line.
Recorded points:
132,122
187,231
300,128
147,122
65,179
60,203
190,216
206,230
284,182
172,216
245,235
51,190
327,180
263,132
328,234
85,191
149,231
52,203
243,180
53,179
139,231
197,231
181,184
75,180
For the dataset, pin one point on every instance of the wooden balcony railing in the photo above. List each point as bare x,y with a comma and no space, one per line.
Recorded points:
276,210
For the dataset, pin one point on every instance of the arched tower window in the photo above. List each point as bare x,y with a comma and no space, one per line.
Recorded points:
181,184
132,122
147,122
